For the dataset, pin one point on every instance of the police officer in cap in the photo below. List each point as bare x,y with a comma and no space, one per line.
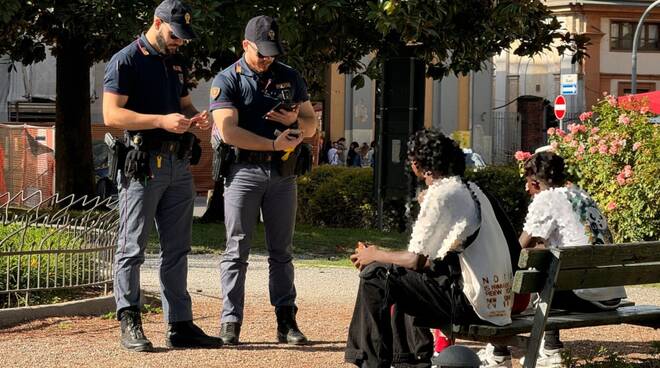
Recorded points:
246,103
145,94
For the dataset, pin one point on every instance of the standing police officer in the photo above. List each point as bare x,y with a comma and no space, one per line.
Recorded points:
244,104
145,94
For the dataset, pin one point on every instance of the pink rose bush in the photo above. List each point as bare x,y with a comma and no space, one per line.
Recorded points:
613,152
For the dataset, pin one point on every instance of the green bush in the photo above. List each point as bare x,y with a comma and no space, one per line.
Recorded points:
336,197
508,187
613,154
343,197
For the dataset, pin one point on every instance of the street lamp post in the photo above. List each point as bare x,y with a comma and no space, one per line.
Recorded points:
633,78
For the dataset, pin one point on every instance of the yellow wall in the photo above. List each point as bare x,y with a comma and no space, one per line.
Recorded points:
463,102
337,90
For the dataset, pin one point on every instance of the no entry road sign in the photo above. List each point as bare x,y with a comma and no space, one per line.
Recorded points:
560,107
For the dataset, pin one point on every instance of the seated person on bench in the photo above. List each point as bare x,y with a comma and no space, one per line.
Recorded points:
562,215
456,240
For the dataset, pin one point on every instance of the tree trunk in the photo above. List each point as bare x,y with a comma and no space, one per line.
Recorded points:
73,133
215,211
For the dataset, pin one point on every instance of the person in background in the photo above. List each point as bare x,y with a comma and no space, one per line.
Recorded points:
353,155
341,150
333,155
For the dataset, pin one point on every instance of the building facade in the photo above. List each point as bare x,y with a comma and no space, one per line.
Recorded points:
610,25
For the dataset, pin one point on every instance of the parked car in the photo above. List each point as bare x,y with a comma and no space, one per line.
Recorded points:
473,159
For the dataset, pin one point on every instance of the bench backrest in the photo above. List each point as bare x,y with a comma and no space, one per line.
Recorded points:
548,270
581,267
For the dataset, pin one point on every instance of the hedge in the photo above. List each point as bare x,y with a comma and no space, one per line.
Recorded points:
335,196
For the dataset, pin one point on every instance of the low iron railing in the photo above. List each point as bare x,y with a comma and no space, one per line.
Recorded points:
50,245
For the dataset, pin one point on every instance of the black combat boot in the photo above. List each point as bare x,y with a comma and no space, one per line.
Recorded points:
132,335
185,334
229,332
287,328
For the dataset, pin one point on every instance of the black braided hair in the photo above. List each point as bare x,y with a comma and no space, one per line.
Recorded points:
436,152
546,167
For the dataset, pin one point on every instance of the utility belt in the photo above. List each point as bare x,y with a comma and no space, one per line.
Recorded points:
296,162
255,157
185,147
131,155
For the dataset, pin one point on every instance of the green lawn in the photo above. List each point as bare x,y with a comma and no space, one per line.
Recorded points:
313,246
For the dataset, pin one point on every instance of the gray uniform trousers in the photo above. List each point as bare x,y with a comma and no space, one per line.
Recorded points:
168,198
248,188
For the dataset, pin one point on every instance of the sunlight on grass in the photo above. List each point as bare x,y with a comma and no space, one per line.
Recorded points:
308,241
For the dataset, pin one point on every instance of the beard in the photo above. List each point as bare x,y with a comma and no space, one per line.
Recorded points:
162,45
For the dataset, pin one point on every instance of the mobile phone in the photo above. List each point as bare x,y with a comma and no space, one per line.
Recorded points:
289,106
294,133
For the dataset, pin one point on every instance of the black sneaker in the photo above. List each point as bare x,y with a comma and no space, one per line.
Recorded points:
229,332
287,328
132,335
185,334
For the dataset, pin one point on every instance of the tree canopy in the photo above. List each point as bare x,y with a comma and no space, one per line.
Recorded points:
449,36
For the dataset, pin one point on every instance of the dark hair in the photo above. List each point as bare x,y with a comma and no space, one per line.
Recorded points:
546,167
437,153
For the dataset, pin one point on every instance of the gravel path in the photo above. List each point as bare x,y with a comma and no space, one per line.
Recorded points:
325,298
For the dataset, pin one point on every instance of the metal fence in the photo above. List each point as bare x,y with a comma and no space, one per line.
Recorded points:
53,244
506,136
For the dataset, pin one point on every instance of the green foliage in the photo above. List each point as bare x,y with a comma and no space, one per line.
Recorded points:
505,184
308,240
336,197
343,197
98,27
614,156
151,309
458,36
449,36
31,270
110,316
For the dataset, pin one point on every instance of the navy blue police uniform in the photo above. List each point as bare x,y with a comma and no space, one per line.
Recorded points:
255,184
154,84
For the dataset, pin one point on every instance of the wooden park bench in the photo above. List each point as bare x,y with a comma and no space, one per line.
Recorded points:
545,271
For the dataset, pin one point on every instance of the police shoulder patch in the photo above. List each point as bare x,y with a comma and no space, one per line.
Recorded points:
215,92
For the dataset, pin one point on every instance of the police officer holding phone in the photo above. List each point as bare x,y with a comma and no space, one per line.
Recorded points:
145,94
261,107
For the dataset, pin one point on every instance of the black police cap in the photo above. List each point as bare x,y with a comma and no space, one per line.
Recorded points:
263,31
178,15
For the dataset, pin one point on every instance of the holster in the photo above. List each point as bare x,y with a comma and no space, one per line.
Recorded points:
190,148
136,163
304,161
224,156
117,155
288,167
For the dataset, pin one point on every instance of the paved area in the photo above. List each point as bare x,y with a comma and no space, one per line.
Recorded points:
326,297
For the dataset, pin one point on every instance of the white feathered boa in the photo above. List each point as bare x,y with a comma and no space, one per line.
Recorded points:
434,224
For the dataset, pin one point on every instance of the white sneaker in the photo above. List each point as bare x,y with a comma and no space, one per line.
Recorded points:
548,358
490,360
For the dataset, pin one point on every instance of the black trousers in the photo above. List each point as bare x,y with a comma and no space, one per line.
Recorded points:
381,337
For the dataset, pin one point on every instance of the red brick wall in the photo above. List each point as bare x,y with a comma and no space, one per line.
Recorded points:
531,123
